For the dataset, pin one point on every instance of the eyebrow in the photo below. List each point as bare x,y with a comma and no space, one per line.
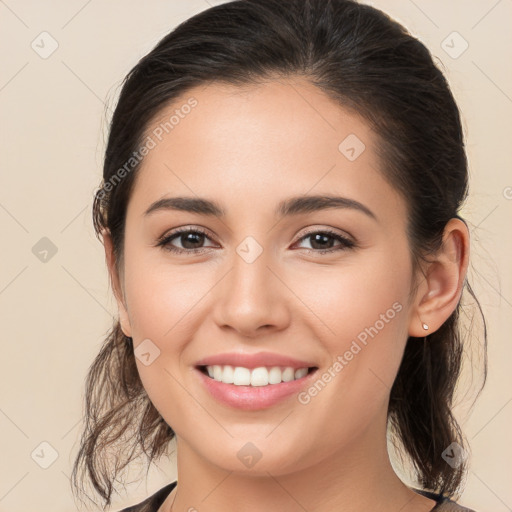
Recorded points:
292,206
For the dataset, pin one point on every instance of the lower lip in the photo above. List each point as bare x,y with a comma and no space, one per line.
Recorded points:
253,397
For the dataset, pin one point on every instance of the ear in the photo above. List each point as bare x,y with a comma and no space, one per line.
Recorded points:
439,294
115,283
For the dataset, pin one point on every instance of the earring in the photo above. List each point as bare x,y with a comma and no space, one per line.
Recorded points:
425,326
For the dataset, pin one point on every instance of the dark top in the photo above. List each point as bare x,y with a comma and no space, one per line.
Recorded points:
154,502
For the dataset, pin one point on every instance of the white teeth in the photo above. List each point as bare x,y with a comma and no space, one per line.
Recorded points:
217,372
262,376
301,372
274,375
228,374
288,374
259,377
241,376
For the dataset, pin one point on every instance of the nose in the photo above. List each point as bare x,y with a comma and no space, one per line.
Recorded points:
252,299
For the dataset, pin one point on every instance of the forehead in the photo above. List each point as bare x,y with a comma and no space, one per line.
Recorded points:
280,114
260,143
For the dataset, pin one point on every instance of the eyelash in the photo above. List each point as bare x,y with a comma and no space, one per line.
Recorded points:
165,241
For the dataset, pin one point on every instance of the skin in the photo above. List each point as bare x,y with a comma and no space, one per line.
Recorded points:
249,148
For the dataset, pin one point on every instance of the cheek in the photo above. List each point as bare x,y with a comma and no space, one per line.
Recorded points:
360,313
161,297
165,307
343,300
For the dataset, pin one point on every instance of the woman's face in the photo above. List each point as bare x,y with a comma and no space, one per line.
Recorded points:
258,281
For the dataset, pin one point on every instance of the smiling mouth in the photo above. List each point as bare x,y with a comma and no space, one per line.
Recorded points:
255,377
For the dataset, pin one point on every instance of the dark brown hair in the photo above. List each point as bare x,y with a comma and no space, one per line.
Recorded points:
369,64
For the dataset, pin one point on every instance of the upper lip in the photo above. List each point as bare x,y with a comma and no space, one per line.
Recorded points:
256,360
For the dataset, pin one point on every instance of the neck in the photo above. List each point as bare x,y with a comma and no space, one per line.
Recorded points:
356,478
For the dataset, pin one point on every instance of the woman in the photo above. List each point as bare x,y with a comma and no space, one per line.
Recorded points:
279,211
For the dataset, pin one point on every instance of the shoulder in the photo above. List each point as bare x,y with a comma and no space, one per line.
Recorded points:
152,504
447,505
444,503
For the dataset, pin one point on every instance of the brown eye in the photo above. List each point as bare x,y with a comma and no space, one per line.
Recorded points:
322,241
191,240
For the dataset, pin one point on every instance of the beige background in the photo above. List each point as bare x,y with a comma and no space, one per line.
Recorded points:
55,313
